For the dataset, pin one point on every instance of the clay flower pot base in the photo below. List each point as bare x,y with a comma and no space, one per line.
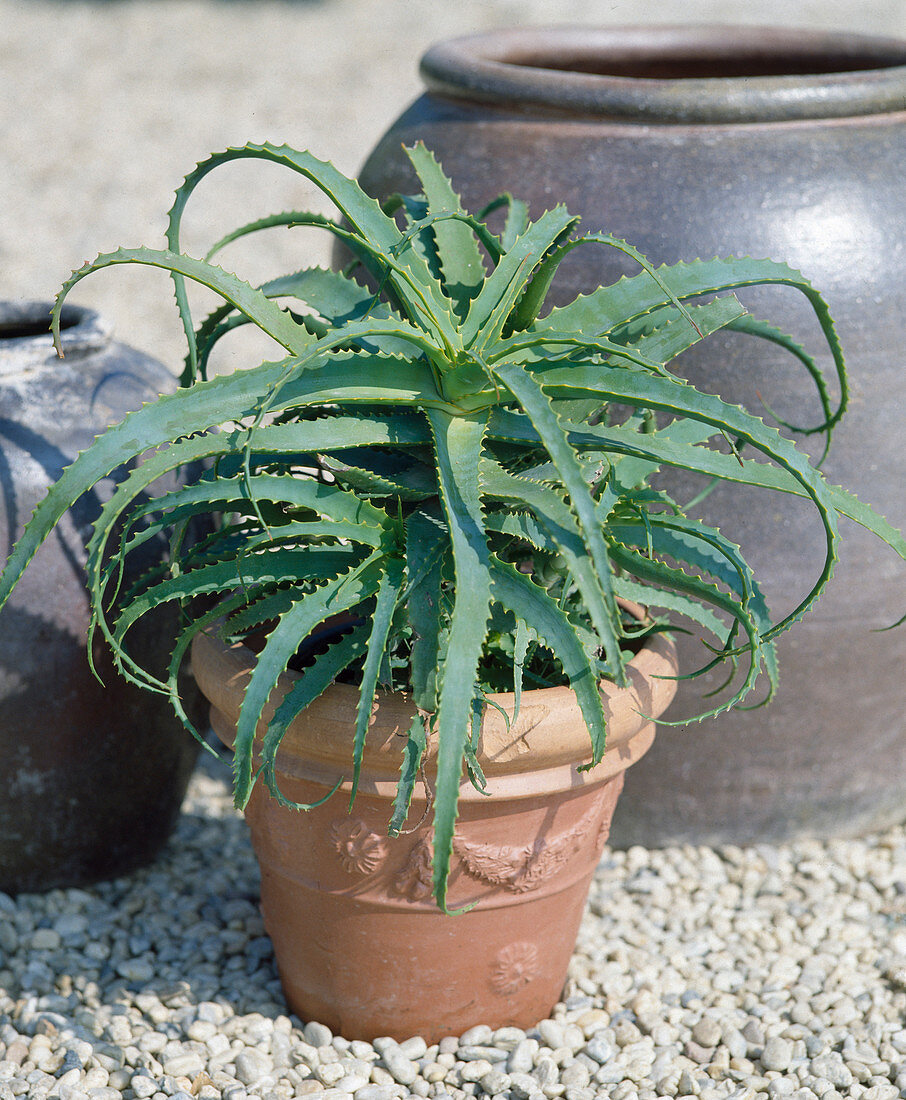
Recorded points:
359,941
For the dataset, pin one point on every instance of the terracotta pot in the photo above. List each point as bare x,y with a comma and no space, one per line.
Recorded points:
359,942
703,141
93,775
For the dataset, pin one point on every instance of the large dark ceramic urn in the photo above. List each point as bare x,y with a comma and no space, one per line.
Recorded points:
91,775
700,141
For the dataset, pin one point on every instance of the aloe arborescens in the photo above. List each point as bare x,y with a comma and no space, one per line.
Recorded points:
437,456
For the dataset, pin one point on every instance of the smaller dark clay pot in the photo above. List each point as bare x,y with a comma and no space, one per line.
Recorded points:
92,776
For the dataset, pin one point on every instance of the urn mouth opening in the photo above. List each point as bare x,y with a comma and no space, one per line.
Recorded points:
22,323
680,74
26,340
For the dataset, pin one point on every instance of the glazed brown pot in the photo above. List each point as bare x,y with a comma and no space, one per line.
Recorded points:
703,141
92,774
359,941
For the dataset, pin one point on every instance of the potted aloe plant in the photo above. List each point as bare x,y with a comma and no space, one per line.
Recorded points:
432,614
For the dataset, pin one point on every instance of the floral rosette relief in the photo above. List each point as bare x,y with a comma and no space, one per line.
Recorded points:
361,850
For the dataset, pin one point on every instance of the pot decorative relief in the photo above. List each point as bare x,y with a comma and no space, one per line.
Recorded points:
702,141
93,776
359,941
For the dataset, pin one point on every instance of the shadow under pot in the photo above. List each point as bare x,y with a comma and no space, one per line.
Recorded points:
93,776
694,142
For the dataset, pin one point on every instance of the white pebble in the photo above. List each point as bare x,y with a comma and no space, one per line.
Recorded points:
777,1054
400,1068
522,1056
832,1069
251,1066
317,1034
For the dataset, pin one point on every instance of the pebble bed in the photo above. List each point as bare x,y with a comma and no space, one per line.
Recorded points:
754,974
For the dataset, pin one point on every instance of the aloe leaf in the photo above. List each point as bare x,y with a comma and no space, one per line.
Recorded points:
664,447
404,334
332,294
527,601
517,219
427,541
653,350
357,377
647,325
459,443
525,527
382,475
312,682
267,315
259,609
473,765
671,446
671,579
249,574
521,642
537,291
311,609
217,324
336,299
409,277
677,335
641,389
491,307
340,301
555,517
313,434
849,505
457,249
693,543
629,472
413,753
288,218
387,596
517,222
704,549
234,608
649,596
207,340
603,309
537,406
185,637
347,514
528,349
752,326
417,236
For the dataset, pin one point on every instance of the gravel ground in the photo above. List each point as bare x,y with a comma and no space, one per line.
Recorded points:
752,974
768,972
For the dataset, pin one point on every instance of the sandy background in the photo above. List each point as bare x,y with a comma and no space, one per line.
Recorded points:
105,106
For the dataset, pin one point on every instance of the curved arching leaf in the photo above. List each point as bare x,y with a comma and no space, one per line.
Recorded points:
294,626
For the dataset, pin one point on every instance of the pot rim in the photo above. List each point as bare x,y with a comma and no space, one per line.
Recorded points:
549,738
26,341
559,69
